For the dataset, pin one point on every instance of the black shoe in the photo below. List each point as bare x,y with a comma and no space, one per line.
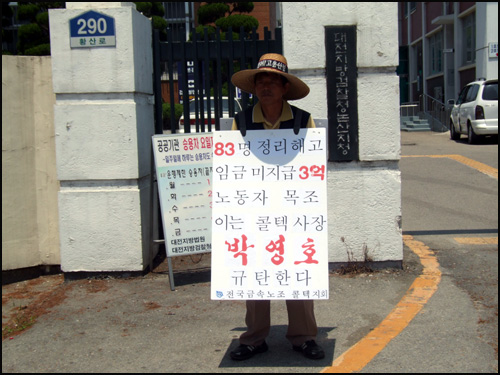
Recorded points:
243,352
310,349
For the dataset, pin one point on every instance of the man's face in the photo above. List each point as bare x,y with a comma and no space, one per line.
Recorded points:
269,88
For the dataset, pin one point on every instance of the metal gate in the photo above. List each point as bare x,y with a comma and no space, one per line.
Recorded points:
211,63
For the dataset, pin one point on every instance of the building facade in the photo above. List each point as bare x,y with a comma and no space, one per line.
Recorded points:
444,46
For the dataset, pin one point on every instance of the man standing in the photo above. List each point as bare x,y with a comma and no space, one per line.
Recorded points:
273,86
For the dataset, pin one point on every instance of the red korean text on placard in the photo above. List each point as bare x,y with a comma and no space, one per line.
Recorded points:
239,251
279,248
206,142
195,143
224,149
190,143
309,252
312,171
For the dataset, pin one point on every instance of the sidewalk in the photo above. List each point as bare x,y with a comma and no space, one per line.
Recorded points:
140,325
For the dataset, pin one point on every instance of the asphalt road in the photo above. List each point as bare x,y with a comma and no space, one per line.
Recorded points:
453,208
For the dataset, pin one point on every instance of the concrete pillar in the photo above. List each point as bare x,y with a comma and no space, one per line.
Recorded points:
364,214
103,125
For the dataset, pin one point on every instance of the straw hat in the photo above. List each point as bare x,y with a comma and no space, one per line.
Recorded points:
272,63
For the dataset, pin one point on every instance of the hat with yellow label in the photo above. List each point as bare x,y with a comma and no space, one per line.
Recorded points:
271,63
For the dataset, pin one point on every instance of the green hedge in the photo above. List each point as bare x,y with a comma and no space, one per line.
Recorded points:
178,109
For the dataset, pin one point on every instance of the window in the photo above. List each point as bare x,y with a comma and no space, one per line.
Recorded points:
469,38
448,7
461,96
179,16
416,61
490,91
472,93
411,6
175,11
436,53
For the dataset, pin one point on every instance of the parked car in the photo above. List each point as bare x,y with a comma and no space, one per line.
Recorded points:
192,113
476,111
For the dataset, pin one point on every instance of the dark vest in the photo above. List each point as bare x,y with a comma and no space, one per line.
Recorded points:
244,121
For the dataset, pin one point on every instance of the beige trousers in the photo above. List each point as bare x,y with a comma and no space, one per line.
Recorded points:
301,322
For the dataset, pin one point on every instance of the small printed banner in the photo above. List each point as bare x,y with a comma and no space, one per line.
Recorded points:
184,174
269,218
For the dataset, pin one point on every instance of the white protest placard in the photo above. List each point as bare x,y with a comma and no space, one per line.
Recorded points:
269,229
184,174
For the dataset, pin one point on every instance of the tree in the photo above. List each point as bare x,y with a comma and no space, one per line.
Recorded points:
7,35
222,14
33,38
34,35
155,12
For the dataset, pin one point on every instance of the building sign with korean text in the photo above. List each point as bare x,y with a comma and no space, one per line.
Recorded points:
184,174
493,49
341,85
269,218
190,80
92,29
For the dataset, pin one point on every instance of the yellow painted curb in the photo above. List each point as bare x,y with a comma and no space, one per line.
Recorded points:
422,289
